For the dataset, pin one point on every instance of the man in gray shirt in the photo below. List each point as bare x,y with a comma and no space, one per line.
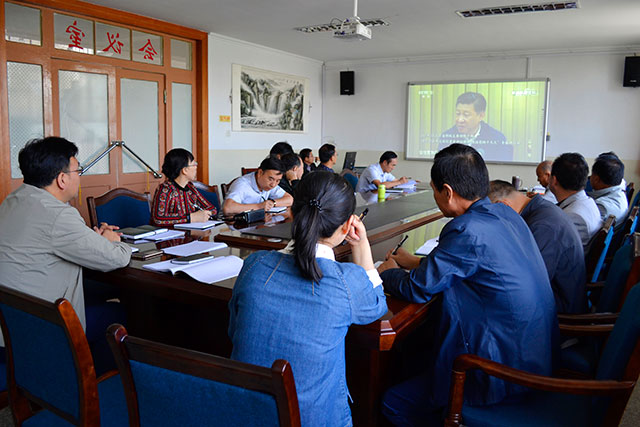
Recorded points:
568,179
44,242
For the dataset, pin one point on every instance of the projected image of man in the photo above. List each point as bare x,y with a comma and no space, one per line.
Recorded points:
471,129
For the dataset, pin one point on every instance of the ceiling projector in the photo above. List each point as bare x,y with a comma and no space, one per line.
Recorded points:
352,29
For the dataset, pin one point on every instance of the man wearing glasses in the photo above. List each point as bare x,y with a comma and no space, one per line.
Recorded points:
44,242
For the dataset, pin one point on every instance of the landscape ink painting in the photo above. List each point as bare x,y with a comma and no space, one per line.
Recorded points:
268,101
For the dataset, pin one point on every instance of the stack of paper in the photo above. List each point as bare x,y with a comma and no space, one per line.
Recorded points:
166,235
427,247
193,248
140,232
409,184
211,271
198,225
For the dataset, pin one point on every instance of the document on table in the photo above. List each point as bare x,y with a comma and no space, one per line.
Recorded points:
409,184
428,246
211,271
166,235
277,209
193,248
198,225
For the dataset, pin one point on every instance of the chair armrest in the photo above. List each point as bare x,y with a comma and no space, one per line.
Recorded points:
466,362
107,375
589,318
586,330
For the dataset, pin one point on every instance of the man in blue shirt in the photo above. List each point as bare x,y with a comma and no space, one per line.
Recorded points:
496,297
558,241
380,173
328,157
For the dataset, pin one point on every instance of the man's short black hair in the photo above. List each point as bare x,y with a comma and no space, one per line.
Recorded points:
42,160
304,153
388,155
571,170
463,168
290,161
500,190
174,161
281,148
608,168
326,152
477,99
271,163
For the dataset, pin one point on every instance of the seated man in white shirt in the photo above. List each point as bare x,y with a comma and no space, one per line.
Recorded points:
609,192
257,190
380,173
568,179
543,172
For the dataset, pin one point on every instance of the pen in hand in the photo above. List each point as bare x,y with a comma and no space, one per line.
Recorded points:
395,251
363,214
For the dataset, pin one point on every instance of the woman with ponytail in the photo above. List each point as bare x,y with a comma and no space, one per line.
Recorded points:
297,304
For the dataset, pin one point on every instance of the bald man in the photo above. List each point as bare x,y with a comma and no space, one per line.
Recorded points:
543,171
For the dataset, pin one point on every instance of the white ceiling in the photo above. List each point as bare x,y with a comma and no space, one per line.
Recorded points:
418,27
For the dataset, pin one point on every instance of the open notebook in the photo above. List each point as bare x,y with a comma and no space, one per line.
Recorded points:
211,271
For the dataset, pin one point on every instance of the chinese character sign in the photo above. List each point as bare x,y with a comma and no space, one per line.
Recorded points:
73,33
147,48
113,41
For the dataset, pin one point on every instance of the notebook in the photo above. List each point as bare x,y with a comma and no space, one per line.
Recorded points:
428,246
193,248
198,225
140,232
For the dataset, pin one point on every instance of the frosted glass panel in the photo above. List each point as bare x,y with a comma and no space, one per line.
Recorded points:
24,87
113,41
73,33
84,115
139,108
22,24
180,54
146,47
181,116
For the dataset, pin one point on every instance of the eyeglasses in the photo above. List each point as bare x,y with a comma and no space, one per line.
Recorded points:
192,165
79,170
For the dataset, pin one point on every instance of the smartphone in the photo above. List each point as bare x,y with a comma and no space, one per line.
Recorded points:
149,253
191,259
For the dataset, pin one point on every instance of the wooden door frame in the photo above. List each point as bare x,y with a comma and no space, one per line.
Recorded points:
117,17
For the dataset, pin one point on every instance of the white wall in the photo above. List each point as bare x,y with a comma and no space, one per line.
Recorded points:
589,110
229,150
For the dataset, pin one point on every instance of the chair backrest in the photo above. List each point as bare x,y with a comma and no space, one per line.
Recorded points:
121,207
48,358
621,355
598,249
636,200
244,171
225,188
629,190
619,274
209,192
169,385
352,180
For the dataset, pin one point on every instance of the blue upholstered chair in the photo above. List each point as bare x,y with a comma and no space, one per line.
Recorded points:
556,401
170,386
583,356
629,190
598,249
209,192
121,207
352,180
50,366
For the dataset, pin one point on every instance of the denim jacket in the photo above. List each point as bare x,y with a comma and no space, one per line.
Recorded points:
277,314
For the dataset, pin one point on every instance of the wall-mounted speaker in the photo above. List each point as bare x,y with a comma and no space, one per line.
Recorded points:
631,71
346,82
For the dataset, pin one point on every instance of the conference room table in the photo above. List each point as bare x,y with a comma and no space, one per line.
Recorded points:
180,311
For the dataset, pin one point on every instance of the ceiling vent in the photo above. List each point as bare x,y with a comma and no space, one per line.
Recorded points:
507,10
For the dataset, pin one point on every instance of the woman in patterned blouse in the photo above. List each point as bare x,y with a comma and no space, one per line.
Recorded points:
176,200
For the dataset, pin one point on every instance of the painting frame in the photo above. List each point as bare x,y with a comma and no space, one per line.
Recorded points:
268,101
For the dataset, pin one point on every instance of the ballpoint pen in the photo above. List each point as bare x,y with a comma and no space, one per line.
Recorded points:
395,251
363,214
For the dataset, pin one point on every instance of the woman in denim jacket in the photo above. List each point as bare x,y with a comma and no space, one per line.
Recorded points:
297,304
